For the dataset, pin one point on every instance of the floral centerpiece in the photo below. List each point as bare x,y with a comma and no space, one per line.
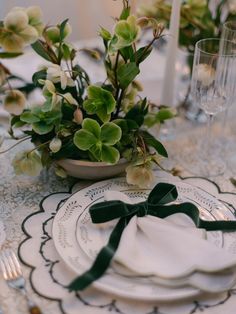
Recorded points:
78,120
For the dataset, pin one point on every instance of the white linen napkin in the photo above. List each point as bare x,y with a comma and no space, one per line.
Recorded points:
173,252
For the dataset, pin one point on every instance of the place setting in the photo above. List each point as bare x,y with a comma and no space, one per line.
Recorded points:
114,200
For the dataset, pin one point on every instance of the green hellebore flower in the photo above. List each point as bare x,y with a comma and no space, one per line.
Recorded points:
98,140
100,102
28,163
126,33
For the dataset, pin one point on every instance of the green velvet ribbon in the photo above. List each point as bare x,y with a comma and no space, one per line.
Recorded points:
155,205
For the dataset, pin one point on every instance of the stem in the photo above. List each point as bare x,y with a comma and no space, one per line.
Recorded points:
210,119
119,104
225,118
115,68
40,145
11,147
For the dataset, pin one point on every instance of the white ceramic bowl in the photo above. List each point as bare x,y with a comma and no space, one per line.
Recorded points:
92,170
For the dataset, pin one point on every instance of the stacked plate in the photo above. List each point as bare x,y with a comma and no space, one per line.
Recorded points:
78,241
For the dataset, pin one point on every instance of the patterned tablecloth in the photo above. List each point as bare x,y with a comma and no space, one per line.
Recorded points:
21,196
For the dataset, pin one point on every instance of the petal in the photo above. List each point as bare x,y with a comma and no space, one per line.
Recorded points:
16,20
50,86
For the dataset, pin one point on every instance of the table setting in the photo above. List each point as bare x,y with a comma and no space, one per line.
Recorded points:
113,200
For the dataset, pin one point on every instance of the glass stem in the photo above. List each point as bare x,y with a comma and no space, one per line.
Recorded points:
210,119
225,118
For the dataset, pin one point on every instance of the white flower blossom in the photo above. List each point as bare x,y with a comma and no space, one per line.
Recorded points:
56,75
70,99
49,90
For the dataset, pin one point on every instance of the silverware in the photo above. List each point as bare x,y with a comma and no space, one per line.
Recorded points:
12,273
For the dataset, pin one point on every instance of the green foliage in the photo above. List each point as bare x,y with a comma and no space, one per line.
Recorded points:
84,121
126,74
100,102
98,140
9,55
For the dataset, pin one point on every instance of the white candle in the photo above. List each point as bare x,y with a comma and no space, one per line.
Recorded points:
172,49
133,5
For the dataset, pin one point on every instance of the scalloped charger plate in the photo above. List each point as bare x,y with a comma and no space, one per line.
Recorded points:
77,246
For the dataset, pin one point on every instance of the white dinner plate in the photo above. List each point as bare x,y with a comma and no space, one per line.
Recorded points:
77,243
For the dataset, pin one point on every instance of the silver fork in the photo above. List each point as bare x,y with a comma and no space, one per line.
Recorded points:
12,273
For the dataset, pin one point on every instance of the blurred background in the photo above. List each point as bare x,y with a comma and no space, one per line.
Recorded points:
85,15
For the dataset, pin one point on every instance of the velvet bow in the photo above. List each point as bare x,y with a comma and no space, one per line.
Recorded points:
156,205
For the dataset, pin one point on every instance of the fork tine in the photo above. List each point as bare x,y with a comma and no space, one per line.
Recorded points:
5,265
4,270
11,263
16,262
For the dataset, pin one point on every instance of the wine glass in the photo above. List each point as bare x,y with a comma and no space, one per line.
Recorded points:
212,89
228,33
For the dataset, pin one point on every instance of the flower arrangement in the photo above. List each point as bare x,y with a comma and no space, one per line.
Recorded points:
80,120
199,18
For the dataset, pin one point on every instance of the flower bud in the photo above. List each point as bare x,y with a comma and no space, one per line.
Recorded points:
78,116
55,145
60,172
14,102
53,34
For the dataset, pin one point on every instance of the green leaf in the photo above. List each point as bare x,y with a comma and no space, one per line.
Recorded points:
62,29
110,154
47,106
96,151
10,55
153,142
40,75
127,73
125,13
141,54
128,53
84,140
39,48
92,126
136,114
29,117
42,127
110,133
52,116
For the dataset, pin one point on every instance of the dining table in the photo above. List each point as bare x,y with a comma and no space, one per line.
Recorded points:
28,206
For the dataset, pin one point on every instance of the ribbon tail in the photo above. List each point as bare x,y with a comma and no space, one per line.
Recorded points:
102,260
192,212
